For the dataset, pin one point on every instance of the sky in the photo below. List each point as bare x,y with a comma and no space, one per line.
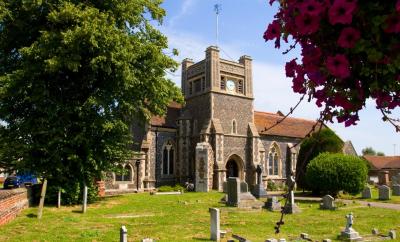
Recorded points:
190,26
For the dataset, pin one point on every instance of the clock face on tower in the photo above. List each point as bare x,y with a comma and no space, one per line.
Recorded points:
230,85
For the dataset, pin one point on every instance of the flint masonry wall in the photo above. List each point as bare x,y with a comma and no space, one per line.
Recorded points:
12,202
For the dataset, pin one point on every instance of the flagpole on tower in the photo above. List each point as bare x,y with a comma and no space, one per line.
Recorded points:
217,9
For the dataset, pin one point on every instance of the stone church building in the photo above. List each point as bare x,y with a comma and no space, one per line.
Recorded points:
217,134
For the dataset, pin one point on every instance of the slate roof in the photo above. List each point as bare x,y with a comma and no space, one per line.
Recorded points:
290,127
383,162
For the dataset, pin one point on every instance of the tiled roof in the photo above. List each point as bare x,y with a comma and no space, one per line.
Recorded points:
290,127
383,162
170,117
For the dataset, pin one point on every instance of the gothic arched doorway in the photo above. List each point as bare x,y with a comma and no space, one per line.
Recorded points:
232,169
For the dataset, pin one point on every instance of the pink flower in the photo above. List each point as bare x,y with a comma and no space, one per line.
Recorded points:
307,24
311,57
338,66
273,31
393,24
311,7
290,68
398,6
348,37
342,12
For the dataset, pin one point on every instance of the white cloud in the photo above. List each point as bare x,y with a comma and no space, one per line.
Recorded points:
186,7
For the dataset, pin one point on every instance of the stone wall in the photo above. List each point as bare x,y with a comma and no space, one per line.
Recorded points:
229,107
12,202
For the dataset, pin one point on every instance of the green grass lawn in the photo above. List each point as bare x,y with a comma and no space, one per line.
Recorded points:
185,218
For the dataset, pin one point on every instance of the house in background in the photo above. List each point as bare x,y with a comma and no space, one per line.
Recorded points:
382,168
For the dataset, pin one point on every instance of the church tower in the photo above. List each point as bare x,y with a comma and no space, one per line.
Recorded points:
219,110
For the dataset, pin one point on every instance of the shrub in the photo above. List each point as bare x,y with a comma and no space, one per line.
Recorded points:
324,141
71,193
331,173
271,185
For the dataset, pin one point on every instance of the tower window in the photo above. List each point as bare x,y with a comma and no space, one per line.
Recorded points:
234,127
168,159
222,83
240,86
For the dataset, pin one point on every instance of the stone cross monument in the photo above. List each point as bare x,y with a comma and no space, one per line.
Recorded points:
259,189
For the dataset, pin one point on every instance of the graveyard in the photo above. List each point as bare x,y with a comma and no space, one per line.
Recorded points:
186,217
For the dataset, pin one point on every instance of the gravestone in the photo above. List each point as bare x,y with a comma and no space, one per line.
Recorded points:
366,193
273,204
384,192
233,191
392,234
259,189
147,240
271,240
349,233
396,179
375,231
328,202
396,190
123,234
244,187
291,206
215,224
204,167
326,240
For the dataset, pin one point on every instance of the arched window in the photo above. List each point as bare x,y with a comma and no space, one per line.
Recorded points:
234,127
274,165
168,159
125,174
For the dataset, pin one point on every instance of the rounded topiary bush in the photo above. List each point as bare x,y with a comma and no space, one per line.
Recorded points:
330,173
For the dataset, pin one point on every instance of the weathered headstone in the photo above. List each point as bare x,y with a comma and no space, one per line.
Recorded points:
147,240
375,231
326,240
291,206
366,193
204,167
396,179
392,234
282,240
123,234
304,236
271,240
233,191
215,225
328,202
259,189
349,233
244,187
396,190
273,204
384,192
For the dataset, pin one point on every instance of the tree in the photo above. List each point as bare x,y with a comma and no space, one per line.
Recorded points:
331,173
73,76
324,141
350,52
371,151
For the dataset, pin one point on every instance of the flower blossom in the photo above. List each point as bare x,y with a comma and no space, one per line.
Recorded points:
393,24
307,24
312,7
348,37
338,66
273,31
342,12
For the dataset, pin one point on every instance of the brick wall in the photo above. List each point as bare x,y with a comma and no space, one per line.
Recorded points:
12,202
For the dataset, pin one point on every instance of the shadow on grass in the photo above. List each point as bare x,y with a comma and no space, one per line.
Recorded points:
31,215
77,211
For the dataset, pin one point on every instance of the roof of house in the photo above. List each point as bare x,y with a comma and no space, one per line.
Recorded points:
383,162
170,117
290,127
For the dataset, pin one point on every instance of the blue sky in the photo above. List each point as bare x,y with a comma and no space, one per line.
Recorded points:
190,28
